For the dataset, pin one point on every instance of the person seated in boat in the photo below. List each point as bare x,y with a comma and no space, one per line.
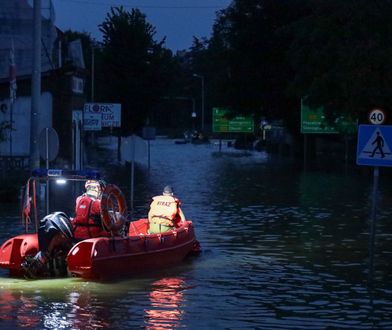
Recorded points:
165,212
87,222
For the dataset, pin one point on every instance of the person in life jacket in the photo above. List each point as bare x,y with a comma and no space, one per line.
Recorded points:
87,222
165,213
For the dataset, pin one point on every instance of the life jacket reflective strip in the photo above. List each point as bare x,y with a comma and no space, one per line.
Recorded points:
164,208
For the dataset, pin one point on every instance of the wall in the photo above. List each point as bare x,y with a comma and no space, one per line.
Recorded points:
21,123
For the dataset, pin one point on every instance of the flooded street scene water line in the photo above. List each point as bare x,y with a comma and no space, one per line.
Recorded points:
191,164
280,248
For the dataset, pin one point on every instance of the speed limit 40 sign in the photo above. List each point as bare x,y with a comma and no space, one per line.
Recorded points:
376,116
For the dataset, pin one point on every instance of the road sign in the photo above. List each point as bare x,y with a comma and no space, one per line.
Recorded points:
313,121
149,133
374,145
48,144
110,112
222,124
376,116
92,121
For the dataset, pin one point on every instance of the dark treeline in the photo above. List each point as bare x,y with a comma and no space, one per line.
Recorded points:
261,59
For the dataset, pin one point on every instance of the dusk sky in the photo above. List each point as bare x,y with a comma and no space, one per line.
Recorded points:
178,20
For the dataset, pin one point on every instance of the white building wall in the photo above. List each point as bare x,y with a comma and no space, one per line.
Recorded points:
21,123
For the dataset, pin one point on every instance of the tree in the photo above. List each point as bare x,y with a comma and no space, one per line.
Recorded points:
136,71
246,57
341,56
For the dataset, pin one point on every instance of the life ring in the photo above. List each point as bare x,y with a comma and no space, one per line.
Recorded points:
113,209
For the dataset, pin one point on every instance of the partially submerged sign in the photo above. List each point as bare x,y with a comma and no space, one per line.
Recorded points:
374,145
110,113
221,123
313,121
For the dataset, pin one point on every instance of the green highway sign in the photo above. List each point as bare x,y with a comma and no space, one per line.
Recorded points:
313,121
222,124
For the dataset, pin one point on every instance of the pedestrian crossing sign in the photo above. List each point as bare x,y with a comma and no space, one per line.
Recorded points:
374,145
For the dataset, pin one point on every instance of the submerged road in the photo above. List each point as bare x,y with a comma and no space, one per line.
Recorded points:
282,249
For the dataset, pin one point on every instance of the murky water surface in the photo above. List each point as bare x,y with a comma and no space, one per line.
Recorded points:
282,249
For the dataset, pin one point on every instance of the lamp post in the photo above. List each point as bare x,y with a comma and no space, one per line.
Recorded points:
92,72
193,115
202,98
94,46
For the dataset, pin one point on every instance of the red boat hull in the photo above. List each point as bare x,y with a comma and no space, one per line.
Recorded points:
104,258
14,250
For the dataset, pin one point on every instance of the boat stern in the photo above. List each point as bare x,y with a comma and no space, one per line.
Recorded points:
79,259
14,251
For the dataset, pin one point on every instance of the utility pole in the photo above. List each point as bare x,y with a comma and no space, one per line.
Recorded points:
35,87
202,98
92,72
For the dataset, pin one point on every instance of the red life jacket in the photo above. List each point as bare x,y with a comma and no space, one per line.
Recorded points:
87,221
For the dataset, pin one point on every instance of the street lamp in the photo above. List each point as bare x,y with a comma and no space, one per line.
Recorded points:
92,72
95,46
202,98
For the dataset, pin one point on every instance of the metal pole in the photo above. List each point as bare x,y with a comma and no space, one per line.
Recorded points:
93,85
35,86
202,103
202,98
305,150
376,175
149,157
47,167
92,73
11,120
132,173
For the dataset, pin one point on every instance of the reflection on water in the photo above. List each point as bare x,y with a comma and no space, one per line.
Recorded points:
166,298
16,309
282,249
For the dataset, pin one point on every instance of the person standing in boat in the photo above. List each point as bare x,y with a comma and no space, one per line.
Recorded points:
87,222
165,212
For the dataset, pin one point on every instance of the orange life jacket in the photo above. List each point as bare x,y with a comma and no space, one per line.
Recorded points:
163,208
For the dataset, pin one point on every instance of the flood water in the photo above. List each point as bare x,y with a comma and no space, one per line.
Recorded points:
283,248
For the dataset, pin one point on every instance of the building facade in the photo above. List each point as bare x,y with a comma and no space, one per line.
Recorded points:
62,86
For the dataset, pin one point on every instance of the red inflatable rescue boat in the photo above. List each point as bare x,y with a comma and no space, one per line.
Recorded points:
122,255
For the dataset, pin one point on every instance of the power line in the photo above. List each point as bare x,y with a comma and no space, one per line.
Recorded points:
101,3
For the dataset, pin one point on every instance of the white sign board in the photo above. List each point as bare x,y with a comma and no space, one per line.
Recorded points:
92,122
376,116
110,113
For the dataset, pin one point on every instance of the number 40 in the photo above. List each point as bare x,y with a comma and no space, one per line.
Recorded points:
376,116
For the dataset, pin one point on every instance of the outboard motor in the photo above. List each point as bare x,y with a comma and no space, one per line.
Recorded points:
55,238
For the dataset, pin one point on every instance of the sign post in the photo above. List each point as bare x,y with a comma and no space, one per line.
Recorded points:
149,134
48,149
373,149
